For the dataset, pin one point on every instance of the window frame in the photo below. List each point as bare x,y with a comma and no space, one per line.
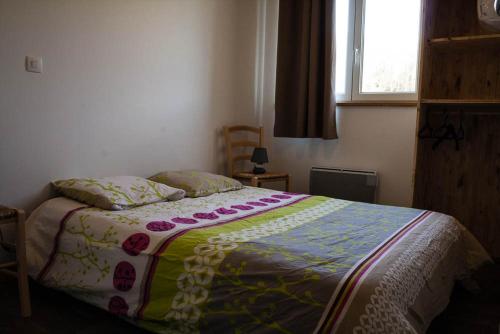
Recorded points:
347,96
354,64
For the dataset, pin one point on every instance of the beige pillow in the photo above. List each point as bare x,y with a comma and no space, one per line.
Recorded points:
196,183
117,192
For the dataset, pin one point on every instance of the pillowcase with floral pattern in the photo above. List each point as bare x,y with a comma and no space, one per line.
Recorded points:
117,192
196,183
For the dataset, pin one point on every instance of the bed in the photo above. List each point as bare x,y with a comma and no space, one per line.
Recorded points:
254,261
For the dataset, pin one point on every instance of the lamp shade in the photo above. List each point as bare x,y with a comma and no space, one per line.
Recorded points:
259,155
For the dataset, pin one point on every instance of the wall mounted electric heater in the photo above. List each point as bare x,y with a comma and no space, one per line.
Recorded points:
341,183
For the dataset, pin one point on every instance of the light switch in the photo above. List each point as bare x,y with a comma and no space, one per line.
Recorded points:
34,64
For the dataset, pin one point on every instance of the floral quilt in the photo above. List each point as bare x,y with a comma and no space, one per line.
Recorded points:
254,261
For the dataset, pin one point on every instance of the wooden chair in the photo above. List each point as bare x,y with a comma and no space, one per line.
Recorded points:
255,180
15,216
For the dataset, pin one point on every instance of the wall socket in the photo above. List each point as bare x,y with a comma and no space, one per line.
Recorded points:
34,64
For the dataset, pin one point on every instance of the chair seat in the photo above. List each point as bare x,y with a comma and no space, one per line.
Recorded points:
7,213
265,176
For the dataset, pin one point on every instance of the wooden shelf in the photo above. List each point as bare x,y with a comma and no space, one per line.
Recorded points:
459,74
491,40
458,102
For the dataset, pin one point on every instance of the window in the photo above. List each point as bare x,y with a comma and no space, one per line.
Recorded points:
377,45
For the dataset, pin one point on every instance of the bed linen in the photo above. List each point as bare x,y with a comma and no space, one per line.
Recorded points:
117,192
197,183
254,261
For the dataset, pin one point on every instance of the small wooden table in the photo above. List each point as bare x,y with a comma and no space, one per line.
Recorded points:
15,216
256,180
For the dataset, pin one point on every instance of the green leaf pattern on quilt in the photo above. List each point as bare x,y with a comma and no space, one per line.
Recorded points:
84,255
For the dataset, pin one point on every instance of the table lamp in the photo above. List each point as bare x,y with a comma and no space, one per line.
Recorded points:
259,157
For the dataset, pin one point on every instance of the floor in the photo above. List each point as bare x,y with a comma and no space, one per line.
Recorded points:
55,312
478,312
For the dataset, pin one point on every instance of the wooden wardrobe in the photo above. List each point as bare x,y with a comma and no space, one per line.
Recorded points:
460,85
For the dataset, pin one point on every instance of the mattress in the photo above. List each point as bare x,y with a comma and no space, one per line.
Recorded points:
255,261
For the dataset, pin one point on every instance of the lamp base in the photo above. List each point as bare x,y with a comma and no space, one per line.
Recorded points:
258,170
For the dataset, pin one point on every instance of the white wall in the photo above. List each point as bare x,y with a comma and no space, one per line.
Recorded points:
129,87
138,86
372,138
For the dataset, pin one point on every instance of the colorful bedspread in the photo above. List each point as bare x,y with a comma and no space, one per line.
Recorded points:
254,261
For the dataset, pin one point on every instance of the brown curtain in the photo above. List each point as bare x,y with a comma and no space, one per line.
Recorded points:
305,77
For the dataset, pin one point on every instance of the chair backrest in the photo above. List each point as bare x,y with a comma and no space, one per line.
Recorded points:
232,144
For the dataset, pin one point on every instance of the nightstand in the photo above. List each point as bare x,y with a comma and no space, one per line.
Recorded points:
17,217
257,179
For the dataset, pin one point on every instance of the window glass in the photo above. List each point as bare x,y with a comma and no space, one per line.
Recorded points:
342,34
389,55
